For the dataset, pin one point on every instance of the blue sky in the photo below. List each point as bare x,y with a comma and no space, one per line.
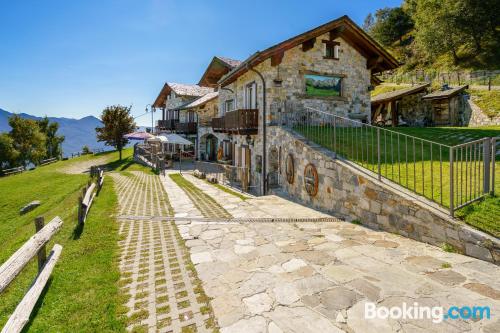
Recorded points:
73,58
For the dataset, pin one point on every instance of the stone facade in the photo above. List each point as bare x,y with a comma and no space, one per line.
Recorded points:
476,117
345,190
355,96
415,111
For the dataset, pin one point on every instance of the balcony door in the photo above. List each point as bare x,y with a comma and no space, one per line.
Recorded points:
251,96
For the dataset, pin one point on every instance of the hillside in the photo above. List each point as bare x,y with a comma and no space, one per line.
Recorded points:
439,36
77,132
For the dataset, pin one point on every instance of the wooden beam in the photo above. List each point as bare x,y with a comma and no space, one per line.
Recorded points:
374,62
277,58
13,266
335,33
21,315
308,44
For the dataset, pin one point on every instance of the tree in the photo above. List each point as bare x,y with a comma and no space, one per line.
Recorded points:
27,140
390,25
53,141
85,150
117,122
8,155
368,22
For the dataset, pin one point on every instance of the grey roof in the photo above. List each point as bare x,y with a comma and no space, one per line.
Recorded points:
231,62
202,100
440,94
392,95
189,89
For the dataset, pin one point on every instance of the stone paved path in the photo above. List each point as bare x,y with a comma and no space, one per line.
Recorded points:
164,292
317,277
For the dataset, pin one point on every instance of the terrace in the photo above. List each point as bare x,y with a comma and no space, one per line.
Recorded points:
241,121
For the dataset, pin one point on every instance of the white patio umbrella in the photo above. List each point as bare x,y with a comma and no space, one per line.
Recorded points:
175,139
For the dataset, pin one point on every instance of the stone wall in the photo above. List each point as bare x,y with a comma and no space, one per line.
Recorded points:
295,63
414,110
346,191
476,117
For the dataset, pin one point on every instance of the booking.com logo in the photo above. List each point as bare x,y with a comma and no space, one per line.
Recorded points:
436,313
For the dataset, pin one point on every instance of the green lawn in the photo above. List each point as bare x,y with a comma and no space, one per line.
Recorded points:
83,294
127,163
415,164
228,190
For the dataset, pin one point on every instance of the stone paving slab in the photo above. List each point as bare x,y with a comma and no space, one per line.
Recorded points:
317,277
164,293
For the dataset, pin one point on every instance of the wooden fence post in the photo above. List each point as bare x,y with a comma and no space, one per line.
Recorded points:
42,253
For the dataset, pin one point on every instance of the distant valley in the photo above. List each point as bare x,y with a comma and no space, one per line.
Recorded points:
77,132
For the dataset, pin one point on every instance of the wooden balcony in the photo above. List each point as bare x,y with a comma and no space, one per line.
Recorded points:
242,121
167,125
186,128
218,124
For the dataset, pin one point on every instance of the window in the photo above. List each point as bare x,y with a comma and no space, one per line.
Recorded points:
251,96
321,85
228,105
332,49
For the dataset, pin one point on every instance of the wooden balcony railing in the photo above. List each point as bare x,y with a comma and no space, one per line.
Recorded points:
218,124
242,121
168,124
186,128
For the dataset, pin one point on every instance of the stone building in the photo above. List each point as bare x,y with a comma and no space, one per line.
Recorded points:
402,107
209,142
328,68
174,117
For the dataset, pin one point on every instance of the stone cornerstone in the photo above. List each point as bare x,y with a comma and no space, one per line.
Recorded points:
345,190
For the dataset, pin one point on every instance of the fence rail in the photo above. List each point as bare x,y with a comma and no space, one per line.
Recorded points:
15,264
89,192
233,176
489,78
48,161
12,171
451,176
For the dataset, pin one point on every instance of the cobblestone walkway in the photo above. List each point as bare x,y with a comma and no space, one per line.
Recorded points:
157,275
317,277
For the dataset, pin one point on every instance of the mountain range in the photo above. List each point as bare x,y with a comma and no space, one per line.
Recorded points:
77,132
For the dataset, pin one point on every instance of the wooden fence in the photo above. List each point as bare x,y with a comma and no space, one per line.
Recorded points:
15,264
48,161
89,192
12,171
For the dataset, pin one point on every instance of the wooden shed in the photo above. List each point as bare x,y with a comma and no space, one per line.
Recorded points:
447,105
399,106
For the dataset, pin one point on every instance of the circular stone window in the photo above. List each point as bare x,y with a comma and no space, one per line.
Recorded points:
289,169
311,179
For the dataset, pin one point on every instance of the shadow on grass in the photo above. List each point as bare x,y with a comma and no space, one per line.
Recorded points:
125,164
78,230
37,307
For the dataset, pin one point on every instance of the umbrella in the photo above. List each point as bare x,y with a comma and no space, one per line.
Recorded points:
174,139
138,136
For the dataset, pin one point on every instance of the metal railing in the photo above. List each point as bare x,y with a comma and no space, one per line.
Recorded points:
451,176
229,175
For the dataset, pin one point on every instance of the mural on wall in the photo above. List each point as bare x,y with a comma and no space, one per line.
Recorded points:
289,169
311,179
321,85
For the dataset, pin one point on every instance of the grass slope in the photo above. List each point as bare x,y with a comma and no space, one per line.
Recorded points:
488,101
82,295
424,176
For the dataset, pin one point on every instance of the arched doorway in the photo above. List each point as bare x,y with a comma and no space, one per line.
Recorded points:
208,147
